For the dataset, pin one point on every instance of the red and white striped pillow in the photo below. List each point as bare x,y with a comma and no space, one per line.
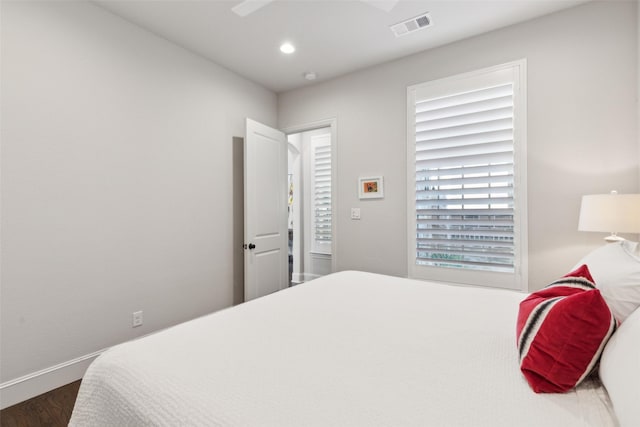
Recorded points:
561,332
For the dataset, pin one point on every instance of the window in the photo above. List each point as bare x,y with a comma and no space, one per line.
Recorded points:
466,173
321,197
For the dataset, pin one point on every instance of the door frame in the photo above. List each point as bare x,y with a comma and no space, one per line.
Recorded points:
332,124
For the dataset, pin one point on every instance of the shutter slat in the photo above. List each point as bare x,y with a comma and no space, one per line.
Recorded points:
464,234
471,160
466,112
467,170
504,247
465,194
480,203
464,98
500,124
506,255
485,149
488,135
423,208
461,222
505,180
488,265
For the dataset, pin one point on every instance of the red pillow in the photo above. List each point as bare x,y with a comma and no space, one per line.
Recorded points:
561,332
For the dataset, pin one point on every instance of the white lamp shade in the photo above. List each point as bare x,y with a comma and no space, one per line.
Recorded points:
618,213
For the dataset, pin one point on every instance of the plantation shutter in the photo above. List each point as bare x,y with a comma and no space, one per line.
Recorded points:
465,208
322,196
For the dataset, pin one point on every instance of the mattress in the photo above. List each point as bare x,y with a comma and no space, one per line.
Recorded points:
348,349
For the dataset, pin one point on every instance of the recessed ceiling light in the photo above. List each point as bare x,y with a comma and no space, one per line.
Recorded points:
310,75
287,48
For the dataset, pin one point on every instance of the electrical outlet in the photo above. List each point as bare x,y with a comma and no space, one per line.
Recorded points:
137,319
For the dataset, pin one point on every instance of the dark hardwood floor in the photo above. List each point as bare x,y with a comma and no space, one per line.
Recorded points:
52,409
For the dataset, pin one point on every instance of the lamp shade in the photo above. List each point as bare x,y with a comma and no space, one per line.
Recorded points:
617,213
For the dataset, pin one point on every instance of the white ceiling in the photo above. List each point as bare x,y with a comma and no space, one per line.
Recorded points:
332,37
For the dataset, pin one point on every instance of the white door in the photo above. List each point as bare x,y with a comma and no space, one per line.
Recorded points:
266,253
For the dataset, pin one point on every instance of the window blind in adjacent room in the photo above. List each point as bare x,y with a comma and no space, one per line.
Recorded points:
322,195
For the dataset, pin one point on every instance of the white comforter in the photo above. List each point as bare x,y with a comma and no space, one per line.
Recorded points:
349,349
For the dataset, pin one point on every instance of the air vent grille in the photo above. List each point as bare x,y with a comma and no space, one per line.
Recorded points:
411,25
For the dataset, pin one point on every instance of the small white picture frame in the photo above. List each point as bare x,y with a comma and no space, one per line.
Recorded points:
371,187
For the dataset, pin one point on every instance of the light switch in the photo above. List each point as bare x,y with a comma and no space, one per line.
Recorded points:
355,213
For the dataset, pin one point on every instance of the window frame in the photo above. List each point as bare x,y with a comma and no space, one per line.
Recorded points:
516,280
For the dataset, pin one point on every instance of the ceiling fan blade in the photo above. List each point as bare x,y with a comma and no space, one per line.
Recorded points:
249,6
384,5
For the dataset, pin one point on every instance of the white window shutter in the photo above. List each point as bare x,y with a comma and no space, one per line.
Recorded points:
321,210
463,192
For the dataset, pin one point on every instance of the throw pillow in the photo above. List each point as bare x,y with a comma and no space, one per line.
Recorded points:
561,332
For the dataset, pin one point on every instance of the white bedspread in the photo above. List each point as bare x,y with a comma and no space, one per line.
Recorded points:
349,349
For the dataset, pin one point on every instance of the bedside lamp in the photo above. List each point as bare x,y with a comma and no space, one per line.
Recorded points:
613,213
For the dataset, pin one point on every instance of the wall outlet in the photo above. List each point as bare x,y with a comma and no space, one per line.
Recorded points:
137,319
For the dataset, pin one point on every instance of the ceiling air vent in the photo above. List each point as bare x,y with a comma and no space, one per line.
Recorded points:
411,25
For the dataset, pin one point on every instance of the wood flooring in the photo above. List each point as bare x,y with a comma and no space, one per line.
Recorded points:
52,409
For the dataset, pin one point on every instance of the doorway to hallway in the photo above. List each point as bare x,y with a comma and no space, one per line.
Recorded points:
310,208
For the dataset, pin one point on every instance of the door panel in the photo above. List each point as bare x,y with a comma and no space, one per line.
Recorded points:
265,192
268,264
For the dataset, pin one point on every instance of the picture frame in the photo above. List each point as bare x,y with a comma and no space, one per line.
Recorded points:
371,187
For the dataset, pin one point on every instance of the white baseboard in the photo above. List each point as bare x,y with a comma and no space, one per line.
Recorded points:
36,383
303,277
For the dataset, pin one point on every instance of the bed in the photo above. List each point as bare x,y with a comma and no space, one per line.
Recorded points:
348,349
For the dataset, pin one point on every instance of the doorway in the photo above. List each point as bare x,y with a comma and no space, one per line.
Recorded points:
265,190
310,209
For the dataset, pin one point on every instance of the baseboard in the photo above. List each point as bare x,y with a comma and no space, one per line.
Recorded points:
36,383
298,278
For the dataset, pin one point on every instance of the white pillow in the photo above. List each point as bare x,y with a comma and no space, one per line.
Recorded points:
615,268
620,371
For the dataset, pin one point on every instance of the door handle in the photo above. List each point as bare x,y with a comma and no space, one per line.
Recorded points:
250,246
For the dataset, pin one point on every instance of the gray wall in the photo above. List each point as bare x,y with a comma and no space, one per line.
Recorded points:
117,154
582,132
